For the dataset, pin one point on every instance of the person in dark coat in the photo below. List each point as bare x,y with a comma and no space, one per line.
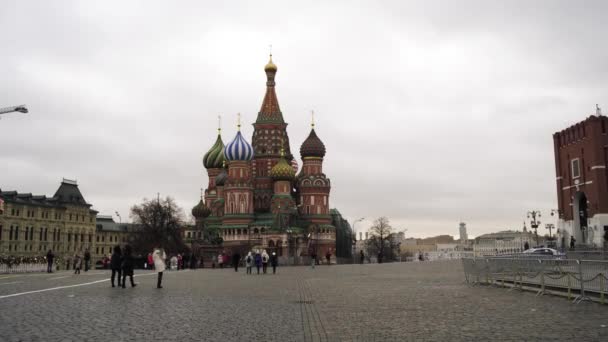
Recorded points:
49,260
361,257
236,258
274,261
258,260
526,246
128,264
572,242
115,265
87,260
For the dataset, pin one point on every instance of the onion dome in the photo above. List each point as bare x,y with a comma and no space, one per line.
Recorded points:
282,171
238,149
200,210
270,67
220,179
312,146
214,158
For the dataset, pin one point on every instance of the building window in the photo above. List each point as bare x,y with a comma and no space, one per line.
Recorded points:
41,231
17,233
0,232
576,168
97,250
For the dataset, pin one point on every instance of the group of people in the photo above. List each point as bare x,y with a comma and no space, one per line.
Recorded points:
257,259
78,262
122,264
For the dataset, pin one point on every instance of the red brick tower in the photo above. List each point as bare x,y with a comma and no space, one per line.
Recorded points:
270,130
581,154
238,189
313,185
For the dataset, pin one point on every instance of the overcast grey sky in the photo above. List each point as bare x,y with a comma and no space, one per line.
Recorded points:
432,112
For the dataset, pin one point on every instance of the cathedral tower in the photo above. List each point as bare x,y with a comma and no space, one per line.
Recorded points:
238,188
313,185
270,130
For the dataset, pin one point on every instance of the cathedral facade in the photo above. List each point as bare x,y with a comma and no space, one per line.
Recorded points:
258,198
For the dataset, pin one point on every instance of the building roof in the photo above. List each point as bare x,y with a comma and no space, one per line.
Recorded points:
67,193
106,223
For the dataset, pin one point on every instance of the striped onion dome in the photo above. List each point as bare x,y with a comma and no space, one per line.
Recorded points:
282,171
214,158
238,149
200,210
312,146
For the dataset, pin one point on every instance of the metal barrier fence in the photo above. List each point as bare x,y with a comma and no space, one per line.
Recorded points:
578,279
23,268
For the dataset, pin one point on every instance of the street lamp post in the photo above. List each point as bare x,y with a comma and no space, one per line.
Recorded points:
534,222
550,226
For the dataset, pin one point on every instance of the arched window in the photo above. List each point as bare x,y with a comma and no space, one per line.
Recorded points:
256,231
10,237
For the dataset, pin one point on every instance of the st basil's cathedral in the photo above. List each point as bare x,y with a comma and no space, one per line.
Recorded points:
257,199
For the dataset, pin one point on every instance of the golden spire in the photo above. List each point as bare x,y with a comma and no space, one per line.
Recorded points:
219,124
238,125
312,123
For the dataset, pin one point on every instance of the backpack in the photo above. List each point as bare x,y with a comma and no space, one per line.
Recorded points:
249,258
265,259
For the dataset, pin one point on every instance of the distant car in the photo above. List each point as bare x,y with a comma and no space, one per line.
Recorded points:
532,252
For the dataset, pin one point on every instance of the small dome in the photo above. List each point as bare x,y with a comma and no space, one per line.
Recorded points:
220,179
200,210
270,66
312,146
238,149
214,158
282,171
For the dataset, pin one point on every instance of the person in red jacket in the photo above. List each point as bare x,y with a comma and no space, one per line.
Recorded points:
150,261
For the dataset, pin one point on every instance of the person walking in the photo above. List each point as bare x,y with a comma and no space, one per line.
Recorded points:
180,262
128,264
49,261
77,263
572,242
87,260
265,259
115,263
220,260
258,260
274,262
236,258
361,257
313,259
150,261
328,257
158,257
249,262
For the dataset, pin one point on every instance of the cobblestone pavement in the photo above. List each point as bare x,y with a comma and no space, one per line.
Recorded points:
389,302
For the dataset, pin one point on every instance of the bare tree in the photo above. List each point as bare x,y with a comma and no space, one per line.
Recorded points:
382,240
160,222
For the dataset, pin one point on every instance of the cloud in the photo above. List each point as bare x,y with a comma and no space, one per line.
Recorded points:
432,112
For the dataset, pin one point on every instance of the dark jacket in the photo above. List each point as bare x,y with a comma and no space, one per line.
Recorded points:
87,256
128,264
236,258
274,260
49,257
258,260
116,261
